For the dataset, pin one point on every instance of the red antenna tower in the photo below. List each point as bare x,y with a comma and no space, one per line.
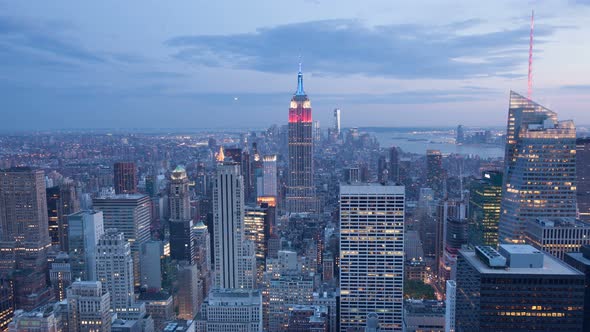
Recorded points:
530,81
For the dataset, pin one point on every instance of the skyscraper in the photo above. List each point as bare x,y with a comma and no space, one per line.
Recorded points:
517,288
61,201
539,168
131,215
583,177
234,260
85,229
484,208
181,223
270,176
394,165
300,187
434,171
371,255
114,268
125,178
24,235
337,128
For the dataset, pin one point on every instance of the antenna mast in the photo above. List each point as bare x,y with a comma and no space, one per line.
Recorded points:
530,81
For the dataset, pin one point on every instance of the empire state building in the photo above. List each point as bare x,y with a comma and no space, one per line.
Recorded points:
300,188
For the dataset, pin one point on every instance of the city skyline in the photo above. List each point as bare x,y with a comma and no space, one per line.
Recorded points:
67,69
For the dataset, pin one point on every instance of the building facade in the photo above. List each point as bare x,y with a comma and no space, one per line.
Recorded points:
371,255
558,236
114,268
85,229
24,235
517,288
539,168
484,208
181,223
234,259
583,177
125,178
301,195
88,307
231,310
131,215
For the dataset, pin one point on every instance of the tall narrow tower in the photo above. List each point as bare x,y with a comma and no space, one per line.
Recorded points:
300,189
181,223
234,258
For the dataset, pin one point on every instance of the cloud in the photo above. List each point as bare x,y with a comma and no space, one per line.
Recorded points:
342,47
41,40
28,42
576,87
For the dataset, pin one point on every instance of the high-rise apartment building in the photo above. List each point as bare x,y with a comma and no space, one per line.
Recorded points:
517,288
484,208
88,307
24,235
371,255
114,268
131,215
539,168
125,178
301,195
181,223
85,229
583,177
234,260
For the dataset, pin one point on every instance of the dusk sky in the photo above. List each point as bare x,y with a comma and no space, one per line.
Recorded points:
233,64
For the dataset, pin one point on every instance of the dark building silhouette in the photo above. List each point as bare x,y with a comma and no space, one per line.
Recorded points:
517,288
394,165
62,201
583,177
125,179
581,261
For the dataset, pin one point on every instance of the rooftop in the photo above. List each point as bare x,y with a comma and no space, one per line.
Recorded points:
370,188
551,265
561,223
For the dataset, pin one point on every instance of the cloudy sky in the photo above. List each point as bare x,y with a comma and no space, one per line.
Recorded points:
215,64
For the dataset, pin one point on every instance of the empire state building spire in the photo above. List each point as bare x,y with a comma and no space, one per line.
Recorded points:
300,91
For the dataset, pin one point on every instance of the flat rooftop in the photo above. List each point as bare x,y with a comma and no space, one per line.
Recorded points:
520,249
551,265
371,189
561,223
120,196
